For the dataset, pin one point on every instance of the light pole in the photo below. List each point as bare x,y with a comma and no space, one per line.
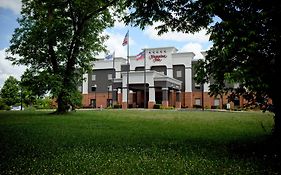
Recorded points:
94,89
95,86
20,98
108,102
202,91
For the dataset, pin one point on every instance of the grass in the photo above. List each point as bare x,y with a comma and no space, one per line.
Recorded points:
137,142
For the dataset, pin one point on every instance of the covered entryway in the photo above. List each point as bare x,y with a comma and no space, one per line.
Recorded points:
159,89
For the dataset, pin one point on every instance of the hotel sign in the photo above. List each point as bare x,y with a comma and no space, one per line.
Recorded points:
157,58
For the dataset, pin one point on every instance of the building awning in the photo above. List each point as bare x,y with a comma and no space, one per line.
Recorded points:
159,79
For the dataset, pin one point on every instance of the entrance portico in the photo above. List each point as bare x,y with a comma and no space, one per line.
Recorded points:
158,87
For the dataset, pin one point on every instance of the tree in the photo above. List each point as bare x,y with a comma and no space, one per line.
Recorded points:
58,40
245,35
10,92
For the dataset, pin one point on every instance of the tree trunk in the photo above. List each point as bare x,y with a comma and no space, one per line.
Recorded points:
62,103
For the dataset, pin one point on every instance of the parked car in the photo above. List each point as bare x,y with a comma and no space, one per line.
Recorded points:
16,108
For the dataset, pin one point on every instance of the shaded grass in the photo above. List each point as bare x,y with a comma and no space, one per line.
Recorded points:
137,142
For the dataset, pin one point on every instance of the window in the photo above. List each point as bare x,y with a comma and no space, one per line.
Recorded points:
109,76
216,102
93,77
93,103
197,101
197,85
179,73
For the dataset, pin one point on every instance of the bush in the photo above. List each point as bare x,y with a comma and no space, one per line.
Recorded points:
117,106
215,107
169,107
30,108
197,106
157,106
3,105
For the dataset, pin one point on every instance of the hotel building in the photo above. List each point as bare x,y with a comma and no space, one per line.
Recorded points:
164,76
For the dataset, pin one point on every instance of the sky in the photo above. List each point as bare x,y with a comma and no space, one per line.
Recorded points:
138,39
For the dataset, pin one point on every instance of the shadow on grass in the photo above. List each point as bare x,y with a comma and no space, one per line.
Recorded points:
266,149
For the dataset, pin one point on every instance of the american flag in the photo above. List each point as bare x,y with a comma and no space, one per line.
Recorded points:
140,56
126,39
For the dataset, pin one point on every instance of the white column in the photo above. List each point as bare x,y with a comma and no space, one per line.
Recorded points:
85,84
188,80
118,75
150,81
151,95
124,87
124,95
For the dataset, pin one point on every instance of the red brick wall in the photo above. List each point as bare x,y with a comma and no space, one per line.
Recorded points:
101,99
187,99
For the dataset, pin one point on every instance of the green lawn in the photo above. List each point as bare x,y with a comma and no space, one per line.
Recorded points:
137,142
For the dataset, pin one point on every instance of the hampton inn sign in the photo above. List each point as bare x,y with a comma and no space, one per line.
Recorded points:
156,58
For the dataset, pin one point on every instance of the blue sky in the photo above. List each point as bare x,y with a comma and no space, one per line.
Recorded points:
138,39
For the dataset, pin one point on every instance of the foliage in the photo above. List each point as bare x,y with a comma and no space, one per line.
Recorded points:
44,103
3,105
10,92
157,106
58,40
137,142
246,41
117,106
167,108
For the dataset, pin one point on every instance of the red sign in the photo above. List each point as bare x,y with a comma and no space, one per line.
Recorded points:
156,58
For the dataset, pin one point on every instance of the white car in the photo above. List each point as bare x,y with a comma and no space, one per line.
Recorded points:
16,108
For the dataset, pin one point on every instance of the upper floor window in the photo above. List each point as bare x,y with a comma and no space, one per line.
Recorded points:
109,76
93,77
197,85
179,73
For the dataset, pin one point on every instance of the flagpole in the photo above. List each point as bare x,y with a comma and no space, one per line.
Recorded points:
113,76
144,77
113,62
128,67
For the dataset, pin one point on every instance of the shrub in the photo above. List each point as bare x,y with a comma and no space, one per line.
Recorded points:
117,106
169,107
157,106
215,107
197,106
4,106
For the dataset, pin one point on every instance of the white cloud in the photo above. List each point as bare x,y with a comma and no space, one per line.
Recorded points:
7,69
196,48
119,24
114,43
14,5
200,36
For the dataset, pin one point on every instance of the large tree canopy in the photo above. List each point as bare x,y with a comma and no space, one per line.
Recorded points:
245,35
58,40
